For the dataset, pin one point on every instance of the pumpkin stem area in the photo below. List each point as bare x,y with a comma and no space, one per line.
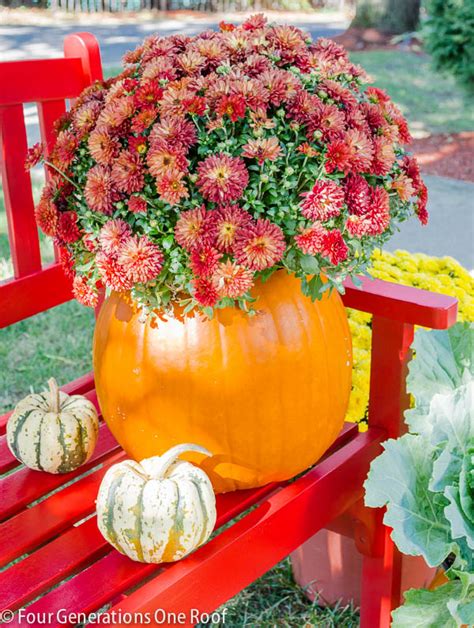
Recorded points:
157,466
54,394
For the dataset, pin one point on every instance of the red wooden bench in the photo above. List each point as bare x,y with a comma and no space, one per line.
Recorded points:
49,539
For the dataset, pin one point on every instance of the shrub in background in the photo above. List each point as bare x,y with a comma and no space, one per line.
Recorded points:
448,35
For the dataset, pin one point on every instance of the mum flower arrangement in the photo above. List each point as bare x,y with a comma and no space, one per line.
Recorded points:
212,161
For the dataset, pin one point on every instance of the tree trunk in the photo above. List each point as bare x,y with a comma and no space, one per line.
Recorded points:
391,16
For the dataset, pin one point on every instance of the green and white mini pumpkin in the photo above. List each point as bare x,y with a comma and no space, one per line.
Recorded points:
52,431
157,510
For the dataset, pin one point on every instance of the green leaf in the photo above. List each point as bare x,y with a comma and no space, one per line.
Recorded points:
460,510
399,479
444,361
427,609
309,264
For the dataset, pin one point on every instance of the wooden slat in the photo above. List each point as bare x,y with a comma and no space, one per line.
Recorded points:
25,486
34,526
85,47
79,386
40,80
33,294
22,229
401,303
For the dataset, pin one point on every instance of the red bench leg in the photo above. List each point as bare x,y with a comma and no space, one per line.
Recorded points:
381,572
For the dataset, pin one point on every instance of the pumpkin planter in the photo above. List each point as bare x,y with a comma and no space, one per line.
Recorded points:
266,394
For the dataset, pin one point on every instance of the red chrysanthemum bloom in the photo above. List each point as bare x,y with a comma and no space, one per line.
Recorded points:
222,178
338,156
85,117
205,292
196,105
196,227
420,208
103,147
377,95
324,201
68,229
384,157
412,170
113,234
89,241
144,119
232,106
310,240
229,220
140,259
34,156
232,280
378,215
137,144
161,159
149,93
204,260
226,27
254,22
171,188
137,204
112,273
328,120
259,245
276,85
357,194
47,215
67,261
333,247
65,149
176,132
128,172
84,292
262,149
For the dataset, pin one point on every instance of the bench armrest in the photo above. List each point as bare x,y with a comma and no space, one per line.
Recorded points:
401,303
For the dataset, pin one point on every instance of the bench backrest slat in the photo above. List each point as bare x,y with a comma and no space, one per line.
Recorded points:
48,83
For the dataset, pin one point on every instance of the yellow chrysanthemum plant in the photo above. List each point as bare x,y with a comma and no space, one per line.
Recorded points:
444,275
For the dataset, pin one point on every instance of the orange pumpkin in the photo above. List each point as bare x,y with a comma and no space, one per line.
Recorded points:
267,394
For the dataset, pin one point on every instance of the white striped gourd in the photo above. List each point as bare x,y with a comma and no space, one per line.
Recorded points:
52,431
157,510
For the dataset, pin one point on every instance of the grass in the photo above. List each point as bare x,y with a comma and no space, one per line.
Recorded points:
58,342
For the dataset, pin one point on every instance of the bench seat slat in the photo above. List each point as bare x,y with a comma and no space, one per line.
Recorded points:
25,486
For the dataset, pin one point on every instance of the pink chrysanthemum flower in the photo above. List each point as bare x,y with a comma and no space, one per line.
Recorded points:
176,132
116,112
259,245
161,159
103,147
324,201
34,156
229,220
338,156
191,62
327,120
232,280
378,214
232,106
99,190
113,234
47,215
362,150
357,194
85,117
222,178
262,149
204,260
310,240
127,172
137,204
112,273
171,188
403,186
275,83
196,227
68,229
333,247
84,292
205,292
64,149
140,259
384,156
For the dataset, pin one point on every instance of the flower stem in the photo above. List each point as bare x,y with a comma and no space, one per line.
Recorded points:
48,163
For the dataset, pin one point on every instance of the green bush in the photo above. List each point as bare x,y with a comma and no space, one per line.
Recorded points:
448,35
